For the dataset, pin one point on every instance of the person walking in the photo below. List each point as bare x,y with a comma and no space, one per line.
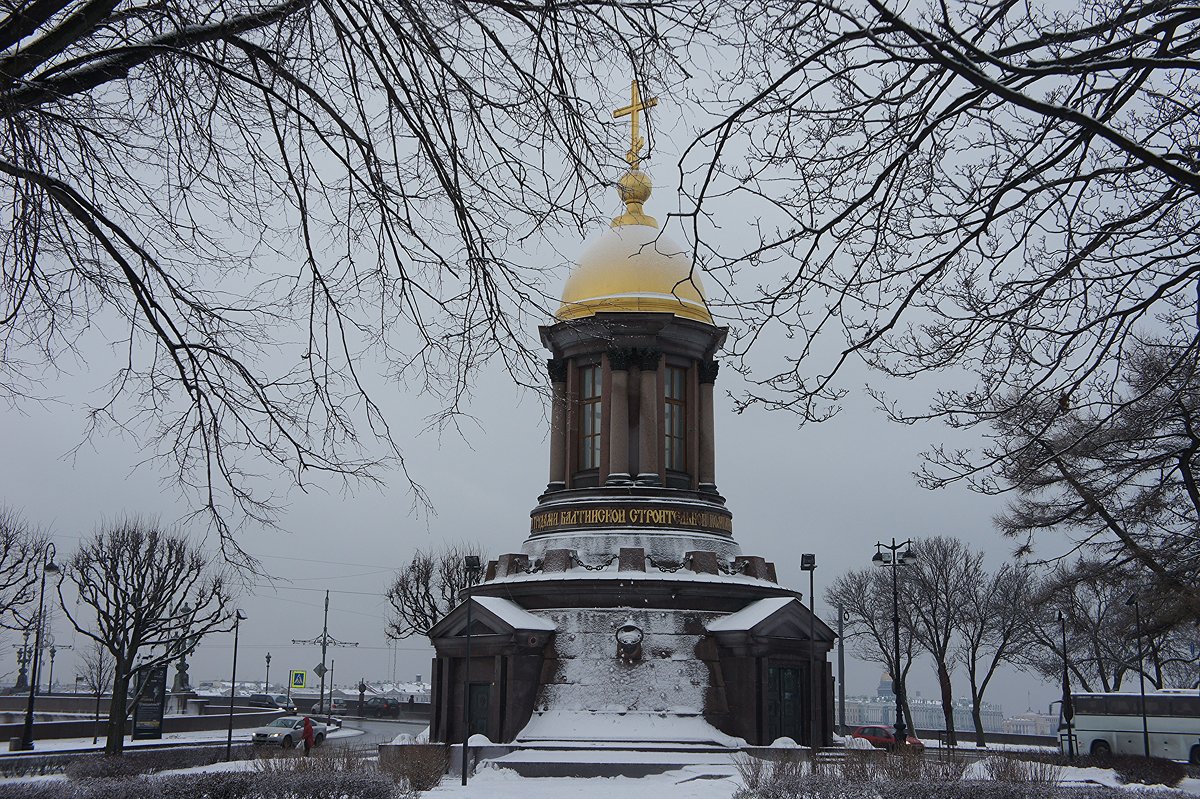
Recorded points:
308,735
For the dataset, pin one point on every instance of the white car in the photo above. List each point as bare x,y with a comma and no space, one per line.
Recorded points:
287,731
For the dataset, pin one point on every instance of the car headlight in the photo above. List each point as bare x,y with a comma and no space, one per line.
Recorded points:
274,735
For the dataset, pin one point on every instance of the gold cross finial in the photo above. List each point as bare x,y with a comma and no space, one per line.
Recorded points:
635,140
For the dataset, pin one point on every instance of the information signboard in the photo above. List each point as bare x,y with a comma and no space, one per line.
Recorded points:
151,704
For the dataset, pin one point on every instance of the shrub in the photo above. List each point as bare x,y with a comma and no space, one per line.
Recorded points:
946,769
780,776
1146,770
87,769
42,789
858,766
417,767
117,788
148,761
279,785
26,766
324,760
899,766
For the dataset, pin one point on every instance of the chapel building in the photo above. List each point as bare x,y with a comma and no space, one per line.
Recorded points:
629,613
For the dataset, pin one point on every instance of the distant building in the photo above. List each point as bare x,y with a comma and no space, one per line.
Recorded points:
1032,723
926,713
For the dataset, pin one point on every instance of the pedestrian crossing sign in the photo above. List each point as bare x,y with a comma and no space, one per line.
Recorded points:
298,678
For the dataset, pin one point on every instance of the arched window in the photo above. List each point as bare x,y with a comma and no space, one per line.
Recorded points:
675,416
589,421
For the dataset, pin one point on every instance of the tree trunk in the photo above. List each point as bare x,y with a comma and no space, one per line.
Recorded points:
115,744
947,703
908,719
977,717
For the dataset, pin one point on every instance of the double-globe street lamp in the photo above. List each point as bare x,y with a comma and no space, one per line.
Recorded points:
48,567
895,555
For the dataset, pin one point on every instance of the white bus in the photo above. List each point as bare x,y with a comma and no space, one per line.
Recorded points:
1112,724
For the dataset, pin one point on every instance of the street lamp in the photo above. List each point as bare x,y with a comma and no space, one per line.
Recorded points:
894,558
181,685
50,673
267,679
1068,708
808,563
23,656
1137,617
238,618
471,567
48,567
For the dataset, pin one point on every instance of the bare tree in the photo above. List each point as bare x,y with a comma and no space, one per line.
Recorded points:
423,592
940,583
999,195
246,198
1100,638
20,549
865,596
97,670
992,628
153,595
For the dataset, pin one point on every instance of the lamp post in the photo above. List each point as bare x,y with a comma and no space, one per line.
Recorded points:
181,684
267,678
841,671
23,655
48,567
1068,708
1137,617
238,618
894,558
471,568
808,563
50,672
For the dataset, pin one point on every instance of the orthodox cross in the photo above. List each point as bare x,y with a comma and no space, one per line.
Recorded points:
635,140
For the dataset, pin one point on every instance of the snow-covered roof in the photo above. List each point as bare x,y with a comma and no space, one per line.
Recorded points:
750,616
513,614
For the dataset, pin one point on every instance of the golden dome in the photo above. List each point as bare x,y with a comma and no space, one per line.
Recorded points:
634,268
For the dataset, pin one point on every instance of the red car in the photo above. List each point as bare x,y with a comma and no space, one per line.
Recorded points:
885,738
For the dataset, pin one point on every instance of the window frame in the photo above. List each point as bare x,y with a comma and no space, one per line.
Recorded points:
591,409
675,410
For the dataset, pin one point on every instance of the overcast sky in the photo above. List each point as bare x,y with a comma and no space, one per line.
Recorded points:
832,489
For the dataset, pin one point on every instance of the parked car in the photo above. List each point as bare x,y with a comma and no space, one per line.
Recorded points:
884,738
287,731
382,707
336,705
274,701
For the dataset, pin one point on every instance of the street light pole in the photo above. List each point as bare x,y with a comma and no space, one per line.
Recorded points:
894,558
841,671
48,567
1137,616
471,568
238,618
1068,708
50,673
808,563
267,679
